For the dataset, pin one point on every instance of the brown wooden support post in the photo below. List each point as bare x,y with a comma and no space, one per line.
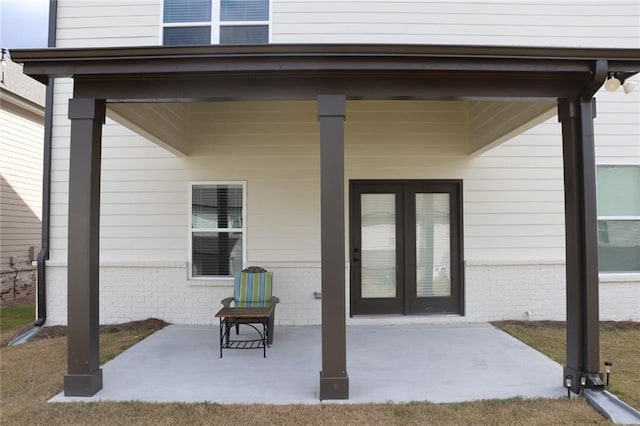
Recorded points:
583,340
84,376
334,381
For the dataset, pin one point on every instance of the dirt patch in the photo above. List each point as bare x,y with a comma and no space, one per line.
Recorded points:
152,324
604,325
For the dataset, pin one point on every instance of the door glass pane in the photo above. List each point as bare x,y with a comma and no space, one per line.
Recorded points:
433,262
378,246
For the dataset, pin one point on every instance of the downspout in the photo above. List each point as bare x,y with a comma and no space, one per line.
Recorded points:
600,70
46,179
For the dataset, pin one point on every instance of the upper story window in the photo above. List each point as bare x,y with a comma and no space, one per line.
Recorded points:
197,22
619,218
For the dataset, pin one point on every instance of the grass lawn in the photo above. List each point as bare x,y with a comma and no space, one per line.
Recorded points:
32,373
619,343
14,318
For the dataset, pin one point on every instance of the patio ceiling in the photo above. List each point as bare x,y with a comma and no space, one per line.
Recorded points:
173,125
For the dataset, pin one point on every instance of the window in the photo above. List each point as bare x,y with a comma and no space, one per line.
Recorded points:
216,231
198,22
619,218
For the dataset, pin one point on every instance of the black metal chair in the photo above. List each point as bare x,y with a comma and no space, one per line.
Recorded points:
253,287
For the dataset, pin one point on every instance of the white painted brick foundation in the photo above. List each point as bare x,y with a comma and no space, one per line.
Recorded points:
493,292
519,291
162,290
620,298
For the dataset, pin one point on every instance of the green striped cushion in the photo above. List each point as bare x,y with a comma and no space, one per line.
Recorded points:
252,288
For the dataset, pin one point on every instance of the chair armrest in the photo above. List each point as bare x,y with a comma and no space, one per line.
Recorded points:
226,301
274,300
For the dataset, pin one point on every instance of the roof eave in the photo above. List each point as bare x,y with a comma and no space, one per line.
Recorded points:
570,64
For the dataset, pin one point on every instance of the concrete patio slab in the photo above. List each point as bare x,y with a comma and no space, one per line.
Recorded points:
438,363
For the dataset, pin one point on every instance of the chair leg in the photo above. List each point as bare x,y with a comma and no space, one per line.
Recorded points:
237,329
271,328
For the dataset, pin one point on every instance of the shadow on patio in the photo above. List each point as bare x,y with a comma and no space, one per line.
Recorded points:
438,363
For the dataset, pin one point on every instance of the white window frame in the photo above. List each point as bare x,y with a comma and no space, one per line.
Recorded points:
612,274
191,230
215,23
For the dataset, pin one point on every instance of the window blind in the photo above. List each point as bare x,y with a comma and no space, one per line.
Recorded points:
244,10
187,11
216,229
181,36
244,34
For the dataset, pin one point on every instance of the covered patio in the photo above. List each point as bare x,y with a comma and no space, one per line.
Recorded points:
331,75
387,363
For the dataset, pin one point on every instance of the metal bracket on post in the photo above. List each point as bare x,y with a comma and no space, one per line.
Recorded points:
594,381
579,381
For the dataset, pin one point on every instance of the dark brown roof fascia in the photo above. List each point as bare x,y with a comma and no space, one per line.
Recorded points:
303,57
512,52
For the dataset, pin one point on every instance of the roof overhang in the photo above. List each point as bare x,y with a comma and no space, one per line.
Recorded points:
299,71
9,98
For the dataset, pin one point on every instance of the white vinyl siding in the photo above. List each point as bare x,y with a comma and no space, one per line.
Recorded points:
143,196
84,23
274,147
617,126
21,141
512,202
524,23
95,23
513,193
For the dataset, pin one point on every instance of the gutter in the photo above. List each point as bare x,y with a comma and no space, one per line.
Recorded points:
43,255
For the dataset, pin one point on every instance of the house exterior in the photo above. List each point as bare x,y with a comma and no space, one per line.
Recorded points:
512,192
21,148
453,203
